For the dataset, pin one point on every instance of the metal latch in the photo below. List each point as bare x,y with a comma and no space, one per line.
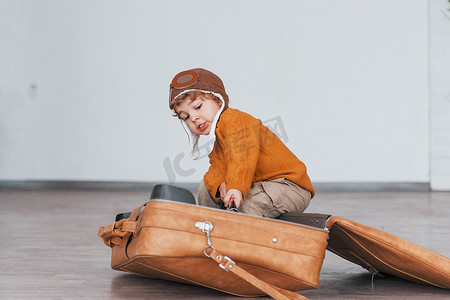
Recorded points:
206,227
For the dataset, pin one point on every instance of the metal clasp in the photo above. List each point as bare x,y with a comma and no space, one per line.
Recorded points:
233,208
230,264
206,227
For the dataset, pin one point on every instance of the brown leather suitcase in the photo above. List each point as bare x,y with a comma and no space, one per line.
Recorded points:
231,252
137,247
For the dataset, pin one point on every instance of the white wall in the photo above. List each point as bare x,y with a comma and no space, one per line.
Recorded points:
440,94
84,84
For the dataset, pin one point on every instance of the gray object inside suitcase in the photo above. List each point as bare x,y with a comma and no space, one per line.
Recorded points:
166,192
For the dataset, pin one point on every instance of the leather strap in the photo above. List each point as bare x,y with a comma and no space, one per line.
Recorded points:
230,266
113,234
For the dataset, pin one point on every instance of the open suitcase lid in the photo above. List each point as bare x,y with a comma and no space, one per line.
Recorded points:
381,252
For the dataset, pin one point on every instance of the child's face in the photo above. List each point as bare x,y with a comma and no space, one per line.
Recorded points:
198,114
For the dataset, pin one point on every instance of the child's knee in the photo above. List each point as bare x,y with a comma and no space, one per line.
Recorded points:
259,202
297,199
273,198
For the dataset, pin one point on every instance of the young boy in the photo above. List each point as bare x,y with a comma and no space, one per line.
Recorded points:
250,166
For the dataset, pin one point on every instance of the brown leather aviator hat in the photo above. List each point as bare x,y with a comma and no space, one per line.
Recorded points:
203,81
196,80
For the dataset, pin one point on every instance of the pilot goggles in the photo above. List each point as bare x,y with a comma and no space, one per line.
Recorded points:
188,78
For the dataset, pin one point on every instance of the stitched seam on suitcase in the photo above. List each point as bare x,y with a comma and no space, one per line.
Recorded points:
246,242
135,259
255,220
189,280
309,285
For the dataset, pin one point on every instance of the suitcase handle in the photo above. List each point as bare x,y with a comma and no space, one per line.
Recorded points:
229,265
113,234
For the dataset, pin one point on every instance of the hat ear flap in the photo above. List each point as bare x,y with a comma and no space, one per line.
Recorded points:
193,141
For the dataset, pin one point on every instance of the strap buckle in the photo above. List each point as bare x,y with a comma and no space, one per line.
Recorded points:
228,264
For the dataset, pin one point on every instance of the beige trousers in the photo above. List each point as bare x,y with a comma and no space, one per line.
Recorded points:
265,199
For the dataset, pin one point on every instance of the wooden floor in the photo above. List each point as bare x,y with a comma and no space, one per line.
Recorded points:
50,248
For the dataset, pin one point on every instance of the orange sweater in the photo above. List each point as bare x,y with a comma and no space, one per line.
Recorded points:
246,151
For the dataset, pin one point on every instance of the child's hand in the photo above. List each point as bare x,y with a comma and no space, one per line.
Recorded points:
233,196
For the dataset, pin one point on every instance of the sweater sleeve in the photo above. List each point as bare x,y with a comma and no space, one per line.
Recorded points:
241,149
216,173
